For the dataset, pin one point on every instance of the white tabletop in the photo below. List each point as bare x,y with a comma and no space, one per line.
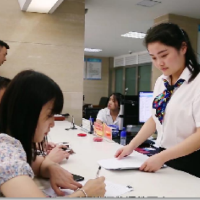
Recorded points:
166,182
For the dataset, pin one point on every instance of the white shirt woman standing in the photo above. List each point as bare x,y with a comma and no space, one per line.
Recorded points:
176,112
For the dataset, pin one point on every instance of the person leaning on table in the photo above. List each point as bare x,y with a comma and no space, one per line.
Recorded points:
26,116
176,107
56,154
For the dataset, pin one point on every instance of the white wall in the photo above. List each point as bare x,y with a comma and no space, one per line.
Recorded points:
49,43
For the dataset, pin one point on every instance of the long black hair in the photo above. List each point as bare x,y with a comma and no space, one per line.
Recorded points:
4,82
22,103
172,35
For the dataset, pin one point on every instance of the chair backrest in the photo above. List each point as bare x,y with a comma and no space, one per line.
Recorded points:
103,102
91,112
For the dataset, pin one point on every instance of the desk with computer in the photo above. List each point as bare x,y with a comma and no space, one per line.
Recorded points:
135,110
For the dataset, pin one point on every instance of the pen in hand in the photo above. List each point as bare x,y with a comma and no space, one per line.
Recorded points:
98,171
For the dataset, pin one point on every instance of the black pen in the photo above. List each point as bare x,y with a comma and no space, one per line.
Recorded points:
98,171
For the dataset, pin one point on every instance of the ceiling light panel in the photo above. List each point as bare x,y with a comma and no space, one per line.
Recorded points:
92,50
41,6
148,3
134,35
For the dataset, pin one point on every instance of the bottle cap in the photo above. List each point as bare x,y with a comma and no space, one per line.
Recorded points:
123,134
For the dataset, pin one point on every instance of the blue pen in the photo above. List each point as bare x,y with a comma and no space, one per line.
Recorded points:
91,125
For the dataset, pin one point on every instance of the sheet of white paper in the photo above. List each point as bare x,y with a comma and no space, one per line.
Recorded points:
56,115
134,161
86,124
116,190
112,190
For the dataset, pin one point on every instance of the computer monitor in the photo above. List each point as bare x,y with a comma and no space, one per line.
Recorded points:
131,110
145,106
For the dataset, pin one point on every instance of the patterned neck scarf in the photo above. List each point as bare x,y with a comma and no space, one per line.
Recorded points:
160,102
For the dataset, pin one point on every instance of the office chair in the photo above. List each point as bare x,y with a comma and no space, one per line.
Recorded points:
91,112
102,103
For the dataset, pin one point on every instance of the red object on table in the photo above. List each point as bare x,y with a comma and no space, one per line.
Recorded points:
97,139
59,118
82,134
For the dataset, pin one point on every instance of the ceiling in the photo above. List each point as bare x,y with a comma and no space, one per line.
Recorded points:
106,20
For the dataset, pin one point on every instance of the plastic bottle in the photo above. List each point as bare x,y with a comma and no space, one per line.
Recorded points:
91,125
115,131
123,137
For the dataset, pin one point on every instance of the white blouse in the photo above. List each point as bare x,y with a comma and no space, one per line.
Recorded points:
182,114
104,116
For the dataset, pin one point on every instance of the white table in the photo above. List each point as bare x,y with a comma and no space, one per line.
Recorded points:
166,182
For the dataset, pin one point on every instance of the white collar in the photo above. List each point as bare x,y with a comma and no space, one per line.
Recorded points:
108,112
186,74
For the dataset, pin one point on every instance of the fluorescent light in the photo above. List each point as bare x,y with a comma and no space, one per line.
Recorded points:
92,50
41,6
148,3
134,35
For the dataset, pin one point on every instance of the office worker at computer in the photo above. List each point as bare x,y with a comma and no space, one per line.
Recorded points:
110,115
26,116
176,107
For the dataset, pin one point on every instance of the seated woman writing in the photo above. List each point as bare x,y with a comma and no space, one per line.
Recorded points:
55,151
26,116
57,155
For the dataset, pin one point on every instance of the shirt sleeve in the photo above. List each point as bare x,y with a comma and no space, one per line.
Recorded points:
100,115
12,159
196,110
